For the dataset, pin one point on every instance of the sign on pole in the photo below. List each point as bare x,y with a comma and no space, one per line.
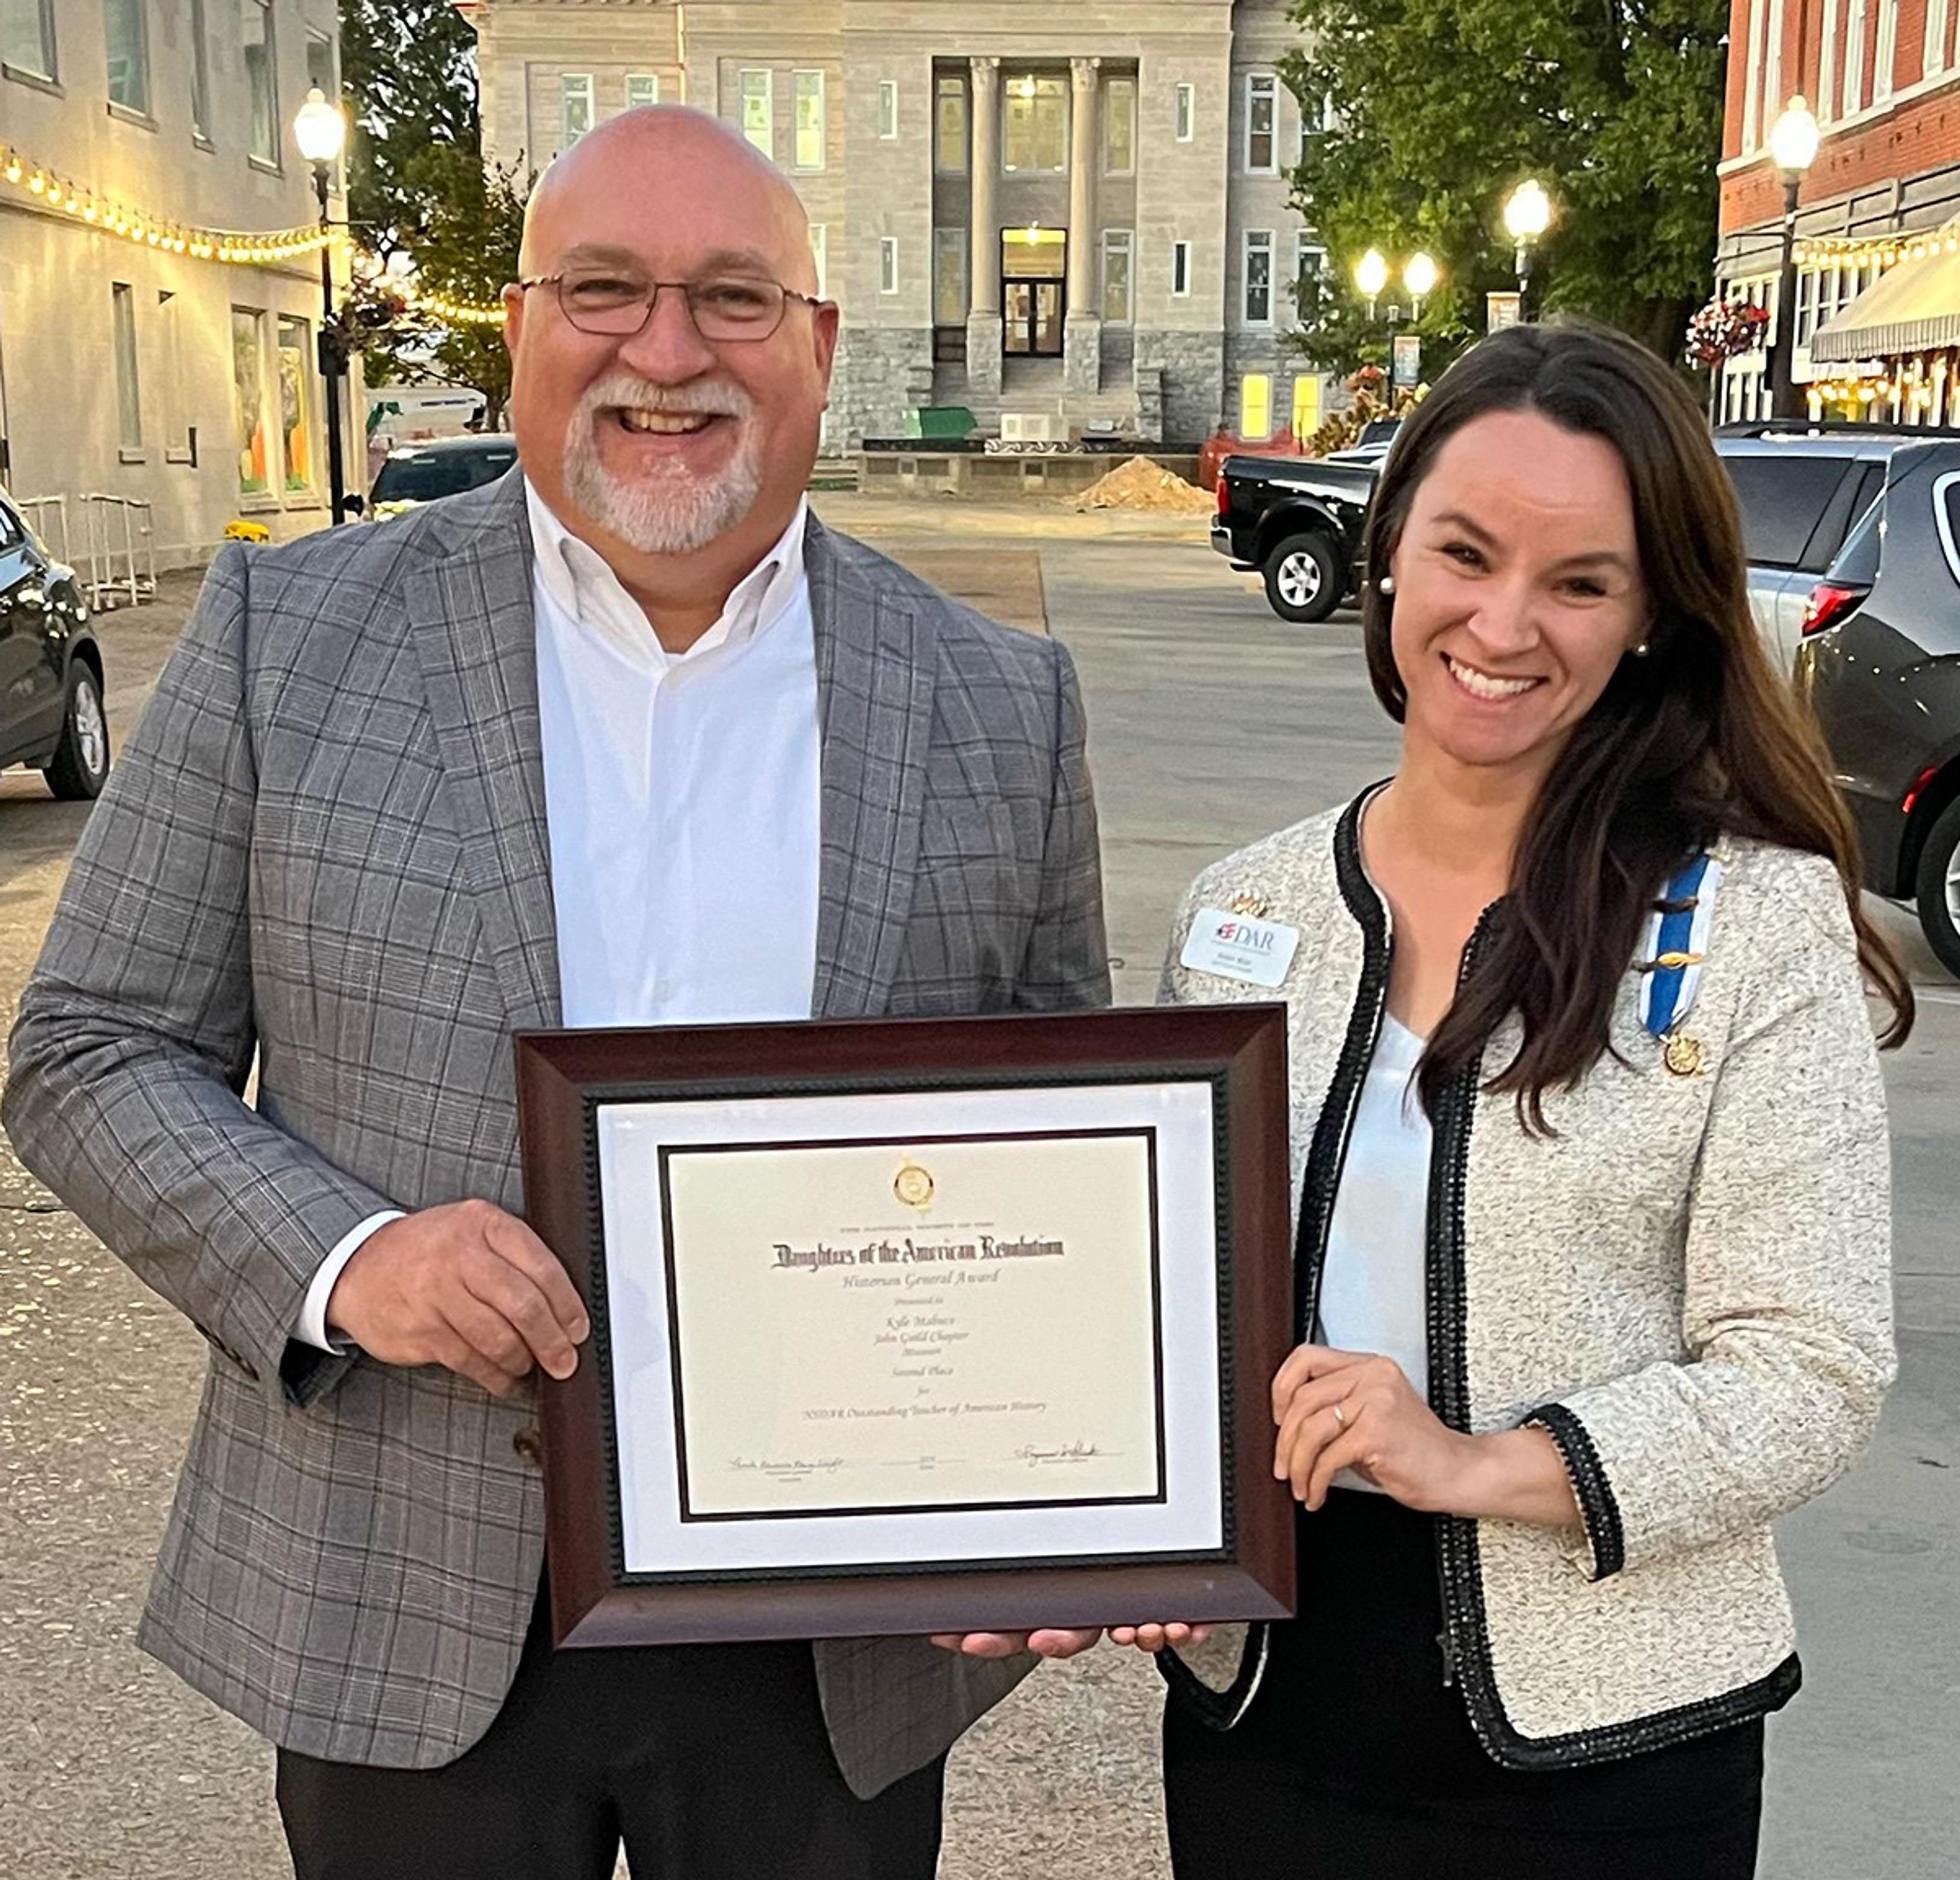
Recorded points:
1503,309
1407,368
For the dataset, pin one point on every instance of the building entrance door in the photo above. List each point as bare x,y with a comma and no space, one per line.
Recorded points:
1032,315
1034,293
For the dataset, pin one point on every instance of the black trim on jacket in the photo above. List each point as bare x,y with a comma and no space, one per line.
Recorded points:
1598,1506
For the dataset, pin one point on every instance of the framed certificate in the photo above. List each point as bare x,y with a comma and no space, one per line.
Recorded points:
915,1326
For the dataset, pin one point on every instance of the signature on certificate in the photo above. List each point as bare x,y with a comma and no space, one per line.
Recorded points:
1071,1451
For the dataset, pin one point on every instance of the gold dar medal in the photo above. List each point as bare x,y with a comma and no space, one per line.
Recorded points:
1685,1055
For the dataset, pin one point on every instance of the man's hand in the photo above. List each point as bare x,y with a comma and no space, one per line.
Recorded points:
466,1286
1059,1642
1054,1642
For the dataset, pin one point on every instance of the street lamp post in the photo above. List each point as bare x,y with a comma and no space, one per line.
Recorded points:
1793,141
1371,275
321,133
1419,275
1527,215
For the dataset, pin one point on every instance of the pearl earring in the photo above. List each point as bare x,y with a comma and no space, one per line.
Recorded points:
1642,650
1386,585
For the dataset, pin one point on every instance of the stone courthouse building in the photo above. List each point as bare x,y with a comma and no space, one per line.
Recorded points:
1079,212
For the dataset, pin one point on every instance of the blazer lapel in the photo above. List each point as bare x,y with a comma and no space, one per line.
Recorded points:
874,676
472,618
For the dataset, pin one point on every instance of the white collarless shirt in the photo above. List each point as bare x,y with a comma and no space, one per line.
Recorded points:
681,797
1374,1284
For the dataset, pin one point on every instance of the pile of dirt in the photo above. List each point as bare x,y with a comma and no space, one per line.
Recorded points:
1142,483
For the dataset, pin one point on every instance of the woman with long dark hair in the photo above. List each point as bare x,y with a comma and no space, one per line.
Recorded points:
1591,1169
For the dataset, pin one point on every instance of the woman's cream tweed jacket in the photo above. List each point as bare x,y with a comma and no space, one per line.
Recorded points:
1688,1286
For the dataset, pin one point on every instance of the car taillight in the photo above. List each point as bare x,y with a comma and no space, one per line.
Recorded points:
1224,496
1830,602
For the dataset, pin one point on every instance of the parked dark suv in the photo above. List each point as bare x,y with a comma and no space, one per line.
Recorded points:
1802,489
51,714
1880,661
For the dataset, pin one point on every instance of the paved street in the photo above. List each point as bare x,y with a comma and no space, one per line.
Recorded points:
1211,722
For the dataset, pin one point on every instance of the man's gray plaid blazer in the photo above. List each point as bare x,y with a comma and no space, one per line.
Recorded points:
327,842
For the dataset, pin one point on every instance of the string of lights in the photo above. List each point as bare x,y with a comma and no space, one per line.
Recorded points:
265,248
1862,251
103,212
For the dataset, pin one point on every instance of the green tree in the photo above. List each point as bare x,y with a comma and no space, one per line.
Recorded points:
1437,108
417,188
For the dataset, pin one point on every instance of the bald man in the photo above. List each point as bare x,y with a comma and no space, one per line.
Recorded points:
626,739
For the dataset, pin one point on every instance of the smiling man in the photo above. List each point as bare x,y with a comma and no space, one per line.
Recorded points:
628,738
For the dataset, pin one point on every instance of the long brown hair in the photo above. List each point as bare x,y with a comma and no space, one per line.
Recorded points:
1701,739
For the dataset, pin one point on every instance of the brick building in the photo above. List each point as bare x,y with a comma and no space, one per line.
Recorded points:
1081,213
1877,321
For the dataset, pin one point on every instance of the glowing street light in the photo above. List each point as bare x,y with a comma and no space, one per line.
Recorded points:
1793,141
1371,275
320,131
1527,215
1419,276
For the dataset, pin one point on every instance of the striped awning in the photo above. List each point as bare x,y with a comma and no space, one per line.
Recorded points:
1914,308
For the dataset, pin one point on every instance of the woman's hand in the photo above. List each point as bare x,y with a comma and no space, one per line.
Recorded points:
1340,1410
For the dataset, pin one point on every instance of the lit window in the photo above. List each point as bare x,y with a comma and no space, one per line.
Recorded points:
807,150
574,107
759,110
948,277
296,402
1035,136
1119,127
248,385
949,126
1255,406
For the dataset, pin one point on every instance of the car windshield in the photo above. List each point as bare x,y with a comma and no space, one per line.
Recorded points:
421,476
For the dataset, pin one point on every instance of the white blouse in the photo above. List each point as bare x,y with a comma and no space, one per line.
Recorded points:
1374,1287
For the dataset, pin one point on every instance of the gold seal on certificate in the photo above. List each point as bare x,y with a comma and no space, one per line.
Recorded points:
918,1327
914,1185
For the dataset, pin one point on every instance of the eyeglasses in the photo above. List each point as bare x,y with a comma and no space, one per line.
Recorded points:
722,306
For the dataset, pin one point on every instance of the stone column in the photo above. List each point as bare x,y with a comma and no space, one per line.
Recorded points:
1082,331
983,270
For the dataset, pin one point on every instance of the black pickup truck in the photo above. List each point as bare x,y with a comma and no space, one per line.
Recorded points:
1298,521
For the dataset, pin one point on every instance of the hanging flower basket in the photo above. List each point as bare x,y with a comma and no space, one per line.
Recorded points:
1724,328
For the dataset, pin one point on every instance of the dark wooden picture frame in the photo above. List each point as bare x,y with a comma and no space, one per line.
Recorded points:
565,1077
